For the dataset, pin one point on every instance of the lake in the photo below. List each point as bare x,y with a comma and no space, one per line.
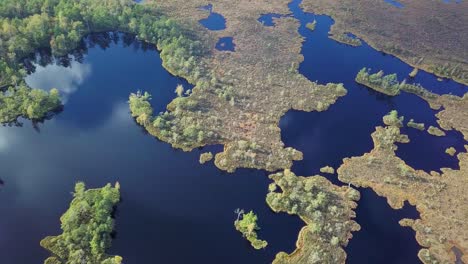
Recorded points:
173,209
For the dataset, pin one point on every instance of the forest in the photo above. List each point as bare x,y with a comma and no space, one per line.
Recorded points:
87,226
27,27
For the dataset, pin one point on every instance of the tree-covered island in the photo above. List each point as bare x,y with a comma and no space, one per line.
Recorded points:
246,223
87,226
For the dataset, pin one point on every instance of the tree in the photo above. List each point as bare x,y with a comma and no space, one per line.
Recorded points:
239,212
179,90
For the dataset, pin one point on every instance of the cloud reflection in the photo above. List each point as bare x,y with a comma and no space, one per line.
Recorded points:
65,79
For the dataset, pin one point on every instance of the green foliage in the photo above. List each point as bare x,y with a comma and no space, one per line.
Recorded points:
419,126
26,102
140,107
387,84
247,225
392,119
87,226
27,25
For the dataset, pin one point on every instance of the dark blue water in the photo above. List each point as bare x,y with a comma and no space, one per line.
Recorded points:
395,3
267,19
214,21
226,44
173,209
344,131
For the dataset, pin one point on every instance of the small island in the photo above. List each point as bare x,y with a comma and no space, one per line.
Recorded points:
312,25
415,125
206,157
451,151
435,131
327,169
246,223
87,226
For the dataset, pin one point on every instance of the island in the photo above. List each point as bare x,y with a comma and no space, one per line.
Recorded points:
415,125
327,210
435,131
205,157
87,226
451,151
246,223
440,198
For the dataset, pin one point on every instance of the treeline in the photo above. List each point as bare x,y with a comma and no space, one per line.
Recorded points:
87,226
389,84
30,103
173,126
60,25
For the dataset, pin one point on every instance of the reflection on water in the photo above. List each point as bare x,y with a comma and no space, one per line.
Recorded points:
65,79
171,203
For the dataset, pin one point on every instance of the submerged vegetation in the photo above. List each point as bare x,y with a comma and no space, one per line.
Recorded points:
87,226
327,209
246,223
